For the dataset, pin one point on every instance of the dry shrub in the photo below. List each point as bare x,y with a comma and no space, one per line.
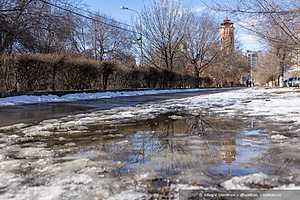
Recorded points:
7,73
40,72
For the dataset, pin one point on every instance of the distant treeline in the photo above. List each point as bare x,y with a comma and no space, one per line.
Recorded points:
39,72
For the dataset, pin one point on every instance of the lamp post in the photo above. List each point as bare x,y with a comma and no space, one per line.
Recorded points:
141,31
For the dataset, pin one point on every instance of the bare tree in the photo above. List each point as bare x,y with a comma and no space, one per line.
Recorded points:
35,26
268,68
201,44
108,42
228,71
164,24
11,15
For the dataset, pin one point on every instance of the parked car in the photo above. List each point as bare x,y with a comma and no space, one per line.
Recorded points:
291,82
297,82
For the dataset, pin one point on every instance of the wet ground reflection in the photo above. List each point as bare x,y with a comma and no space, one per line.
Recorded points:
173,144
198,149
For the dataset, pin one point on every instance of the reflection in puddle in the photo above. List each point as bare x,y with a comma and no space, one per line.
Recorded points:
203,144
149,156
240,153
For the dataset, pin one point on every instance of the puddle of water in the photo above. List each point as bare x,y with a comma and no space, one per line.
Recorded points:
207,144
203,150
199,149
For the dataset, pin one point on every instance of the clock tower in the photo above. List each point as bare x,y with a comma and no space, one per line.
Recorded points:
227,36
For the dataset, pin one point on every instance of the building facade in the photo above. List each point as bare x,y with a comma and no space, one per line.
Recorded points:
227,36
252,58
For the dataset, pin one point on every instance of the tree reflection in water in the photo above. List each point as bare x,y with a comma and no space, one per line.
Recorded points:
170,147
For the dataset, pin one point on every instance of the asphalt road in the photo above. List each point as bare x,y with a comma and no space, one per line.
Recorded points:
38,112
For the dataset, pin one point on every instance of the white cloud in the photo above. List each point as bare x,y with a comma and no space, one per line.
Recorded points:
250,41
248,38
198,9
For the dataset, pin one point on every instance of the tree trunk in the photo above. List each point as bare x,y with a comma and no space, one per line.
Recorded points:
197,79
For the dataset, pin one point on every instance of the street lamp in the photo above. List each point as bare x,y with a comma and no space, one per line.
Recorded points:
141,27
133,10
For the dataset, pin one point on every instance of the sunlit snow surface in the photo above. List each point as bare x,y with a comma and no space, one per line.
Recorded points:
72,172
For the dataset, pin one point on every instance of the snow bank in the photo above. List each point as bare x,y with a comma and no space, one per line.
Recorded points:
259,180
288,187
30,99
275,104
282,104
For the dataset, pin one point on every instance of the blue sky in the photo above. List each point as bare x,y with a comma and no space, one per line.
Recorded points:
112,8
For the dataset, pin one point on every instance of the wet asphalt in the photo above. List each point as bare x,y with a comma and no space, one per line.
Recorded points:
38,112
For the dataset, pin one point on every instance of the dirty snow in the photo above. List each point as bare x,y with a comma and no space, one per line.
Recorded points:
73,177
258,180
252,102
278,137
128,195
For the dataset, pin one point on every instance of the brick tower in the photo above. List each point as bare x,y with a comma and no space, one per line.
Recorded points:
227,36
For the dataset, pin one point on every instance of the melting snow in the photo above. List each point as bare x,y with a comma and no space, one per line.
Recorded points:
278,137
80,175
258,180
225,103
128,195
30,99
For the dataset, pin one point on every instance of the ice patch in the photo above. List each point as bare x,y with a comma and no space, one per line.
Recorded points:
13,127
178,187
7,179
288,187
32,152
259,180
79,179
176,117
279,137
124,142
128,195
251,133
38,193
